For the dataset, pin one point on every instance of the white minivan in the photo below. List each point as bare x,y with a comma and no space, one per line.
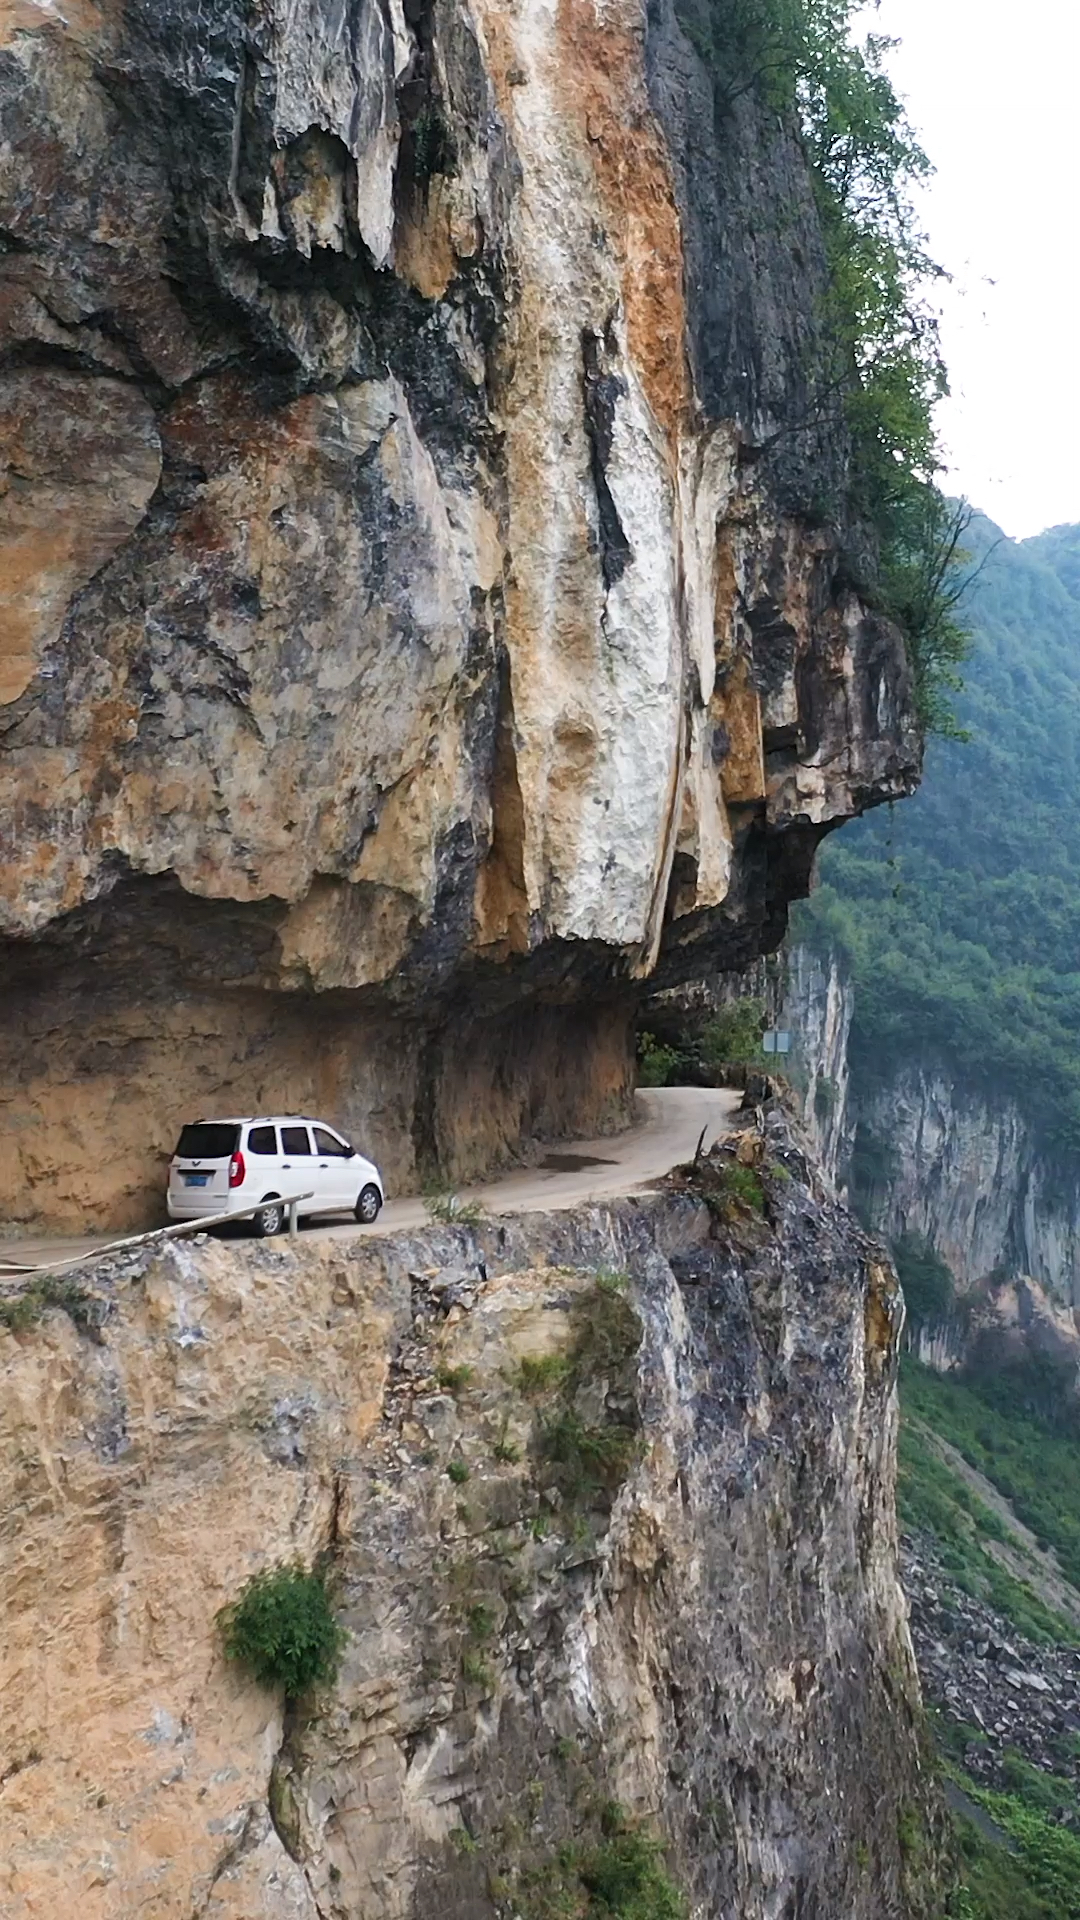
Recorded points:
226,1166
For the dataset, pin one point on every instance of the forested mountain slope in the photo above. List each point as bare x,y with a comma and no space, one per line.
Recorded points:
959,911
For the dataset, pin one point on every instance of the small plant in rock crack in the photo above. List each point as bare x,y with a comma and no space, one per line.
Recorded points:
541,1373
23,1310
742,1186
481,1621
281,1627
505,1450
583,1459
476,1671
452,1211
612,1280
458,1472
454,1379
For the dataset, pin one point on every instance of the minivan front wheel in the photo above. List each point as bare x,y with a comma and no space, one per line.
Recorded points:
367,1207
269,1220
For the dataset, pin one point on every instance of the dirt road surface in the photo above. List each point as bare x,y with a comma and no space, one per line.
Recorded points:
669,1125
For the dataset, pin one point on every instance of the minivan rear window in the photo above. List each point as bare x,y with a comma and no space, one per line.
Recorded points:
207,1140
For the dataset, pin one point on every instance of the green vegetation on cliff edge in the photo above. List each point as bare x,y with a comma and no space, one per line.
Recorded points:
1023,1861
881,372
282,1628
958,911
1036,1469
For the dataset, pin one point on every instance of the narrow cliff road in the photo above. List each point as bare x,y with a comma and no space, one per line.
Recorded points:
577,1171
569,1174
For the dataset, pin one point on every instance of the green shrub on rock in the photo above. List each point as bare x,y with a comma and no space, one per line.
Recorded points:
658,1065
732,1037
620,1875
626,1876
583,1459
281,1627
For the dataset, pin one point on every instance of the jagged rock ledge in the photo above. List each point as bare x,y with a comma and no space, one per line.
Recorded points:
662,1570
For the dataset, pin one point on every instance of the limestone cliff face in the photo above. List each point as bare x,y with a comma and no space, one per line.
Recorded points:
663,1571
816,1007
966,1173
930,1155
421,620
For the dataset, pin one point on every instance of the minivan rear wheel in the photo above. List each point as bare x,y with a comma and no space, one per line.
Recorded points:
367,1207
269,1220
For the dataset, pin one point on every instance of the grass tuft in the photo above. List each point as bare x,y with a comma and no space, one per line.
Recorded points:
454,1379
452,1211
23,1310
541,1373
584,1459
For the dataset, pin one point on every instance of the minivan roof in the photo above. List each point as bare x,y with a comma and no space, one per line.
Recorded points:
262,1119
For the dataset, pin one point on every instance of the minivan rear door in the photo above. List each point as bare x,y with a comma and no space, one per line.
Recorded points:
203,1155
299,1173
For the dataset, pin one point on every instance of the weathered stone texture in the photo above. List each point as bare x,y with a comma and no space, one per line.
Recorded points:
710,1631
933,1155
416,540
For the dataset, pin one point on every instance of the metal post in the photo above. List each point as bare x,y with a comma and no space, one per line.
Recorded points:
292,1219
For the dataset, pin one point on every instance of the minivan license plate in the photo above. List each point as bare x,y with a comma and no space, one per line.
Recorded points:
196,1179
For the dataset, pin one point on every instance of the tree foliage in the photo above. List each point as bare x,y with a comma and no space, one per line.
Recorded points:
659,1065
884,365
732,1035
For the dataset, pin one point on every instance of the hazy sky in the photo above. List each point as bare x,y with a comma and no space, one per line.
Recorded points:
992,90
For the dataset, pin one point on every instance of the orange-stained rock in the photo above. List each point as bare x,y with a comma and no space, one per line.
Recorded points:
420,549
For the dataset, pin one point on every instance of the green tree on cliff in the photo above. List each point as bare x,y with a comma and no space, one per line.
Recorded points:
885,369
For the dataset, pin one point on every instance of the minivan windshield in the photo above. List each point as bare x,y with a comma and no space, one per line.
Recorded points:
207,1140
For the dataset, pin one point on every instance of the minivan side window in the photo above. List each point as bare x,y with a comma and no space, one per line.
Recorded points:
326,1143
295,1140
263,1140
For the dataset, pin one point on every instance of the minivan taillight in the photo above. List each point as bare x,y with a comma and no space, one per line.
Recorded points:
236,1170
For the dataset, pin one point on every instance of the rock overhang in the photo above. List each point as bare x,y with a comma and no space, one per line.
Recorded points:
452,622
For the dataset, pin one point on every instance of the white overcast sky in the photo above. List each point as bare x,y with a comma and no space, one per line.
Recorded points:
992,90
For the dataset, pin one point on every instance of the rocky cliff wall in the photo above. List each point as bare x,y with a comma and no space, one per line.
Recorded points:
962,1169
421,621
950,1164
816,1007
692,1609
